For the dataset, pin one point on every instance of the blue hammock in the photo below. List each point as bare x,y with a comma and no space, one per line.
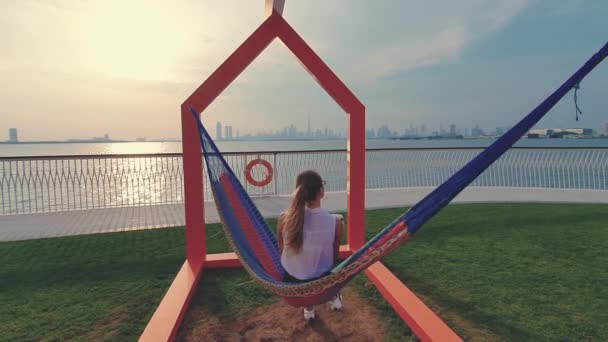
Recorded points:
256,245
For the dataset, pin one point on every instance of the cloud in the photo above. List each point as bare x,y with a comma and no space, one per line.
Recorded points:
420,52
441,39
499,14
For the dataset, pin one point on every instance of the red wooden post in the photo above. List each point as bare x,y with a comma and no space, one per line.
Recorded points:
196,247
355,187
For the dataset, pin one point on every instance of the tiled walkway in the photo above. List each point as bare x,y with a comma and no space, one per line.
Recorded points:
45,225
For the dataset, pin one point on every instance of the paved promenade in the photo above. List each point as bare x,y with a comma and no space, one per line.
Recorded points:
46,225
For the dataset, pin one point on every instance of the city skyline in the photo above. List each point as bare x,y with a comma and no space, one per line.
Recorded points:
383,131
225,132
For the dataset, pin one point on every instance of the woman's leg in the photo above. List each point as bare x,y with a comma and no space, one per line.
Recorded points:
336,302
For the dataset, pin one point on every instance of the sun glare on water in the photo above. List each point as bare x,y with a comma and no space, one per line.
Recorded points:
136,148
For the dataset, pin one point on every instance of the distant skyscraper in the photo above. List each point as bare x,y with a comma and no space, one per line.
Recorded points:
308,131
228,132
502,130
453,130
383,132
606,128
476,131
218,131
12,135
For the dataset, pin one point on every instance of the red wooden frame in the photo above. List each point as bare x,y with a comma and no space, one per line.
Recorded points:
165,322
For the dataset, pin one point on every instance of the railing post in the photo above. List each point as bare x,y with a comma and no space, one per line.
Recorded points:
276,176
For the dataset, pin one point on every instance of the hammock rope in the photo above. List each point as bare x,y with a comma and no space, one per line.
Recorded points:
256,246
576,107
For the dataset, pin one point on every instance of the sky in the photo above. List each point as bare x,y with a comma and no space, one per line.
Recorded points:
78,69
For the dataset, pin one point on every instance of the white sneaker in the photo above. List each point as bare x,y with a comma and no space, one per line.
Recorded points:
309,314
336,302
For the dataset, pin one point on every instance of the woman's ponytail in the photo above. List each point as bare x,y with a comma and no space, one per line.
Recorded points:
308,186
294,220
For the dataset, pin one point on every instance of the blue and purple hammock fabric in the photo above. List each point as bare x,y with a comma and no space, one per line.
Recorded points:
256,245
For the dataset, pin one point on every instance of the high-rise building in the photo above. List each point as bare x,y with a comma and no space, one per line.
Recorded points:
218,131
452,130
476,131
606,128
308,131
369,133
12,135
291,131
228,132
502,130
383,132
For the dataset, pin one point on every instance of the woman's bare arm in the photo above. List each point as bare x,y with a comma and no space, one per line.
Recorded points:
280,233
338,237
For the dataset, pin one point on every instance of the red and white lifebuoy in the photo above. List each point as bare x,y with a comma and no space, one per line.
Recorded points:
249,176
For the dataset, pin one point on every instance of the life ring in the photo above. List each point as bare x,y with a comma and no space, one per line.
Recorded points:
252,180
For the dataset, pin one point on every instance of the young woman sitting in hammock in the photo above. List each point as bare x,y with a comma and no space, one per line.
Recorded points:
309,237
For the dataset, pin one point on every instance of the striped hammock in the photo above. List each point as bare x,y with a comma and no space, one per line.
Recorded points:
256,246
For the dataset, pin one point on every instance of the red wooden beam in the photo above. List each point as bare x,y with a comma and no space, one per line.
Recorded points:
165,322
422,320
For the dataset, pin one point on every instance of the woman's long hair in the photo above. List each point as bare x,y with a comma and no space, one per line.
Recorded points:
308,186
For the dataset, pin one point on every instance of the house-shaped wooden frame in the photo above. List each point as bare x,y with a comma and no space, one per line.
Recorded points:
166,320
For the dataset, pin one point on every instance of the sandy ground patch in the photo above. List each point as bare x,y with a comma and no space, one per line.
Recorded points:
357,321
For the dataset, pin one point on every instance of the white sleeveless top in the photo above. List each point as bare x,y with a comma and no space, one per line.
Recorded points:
317,254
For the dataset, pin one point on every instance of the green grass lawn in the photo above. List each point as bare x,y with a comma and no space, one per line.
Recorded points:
492,271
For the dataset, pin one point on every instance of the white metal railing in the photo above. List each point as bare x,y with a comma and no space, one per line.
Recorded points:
58,183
